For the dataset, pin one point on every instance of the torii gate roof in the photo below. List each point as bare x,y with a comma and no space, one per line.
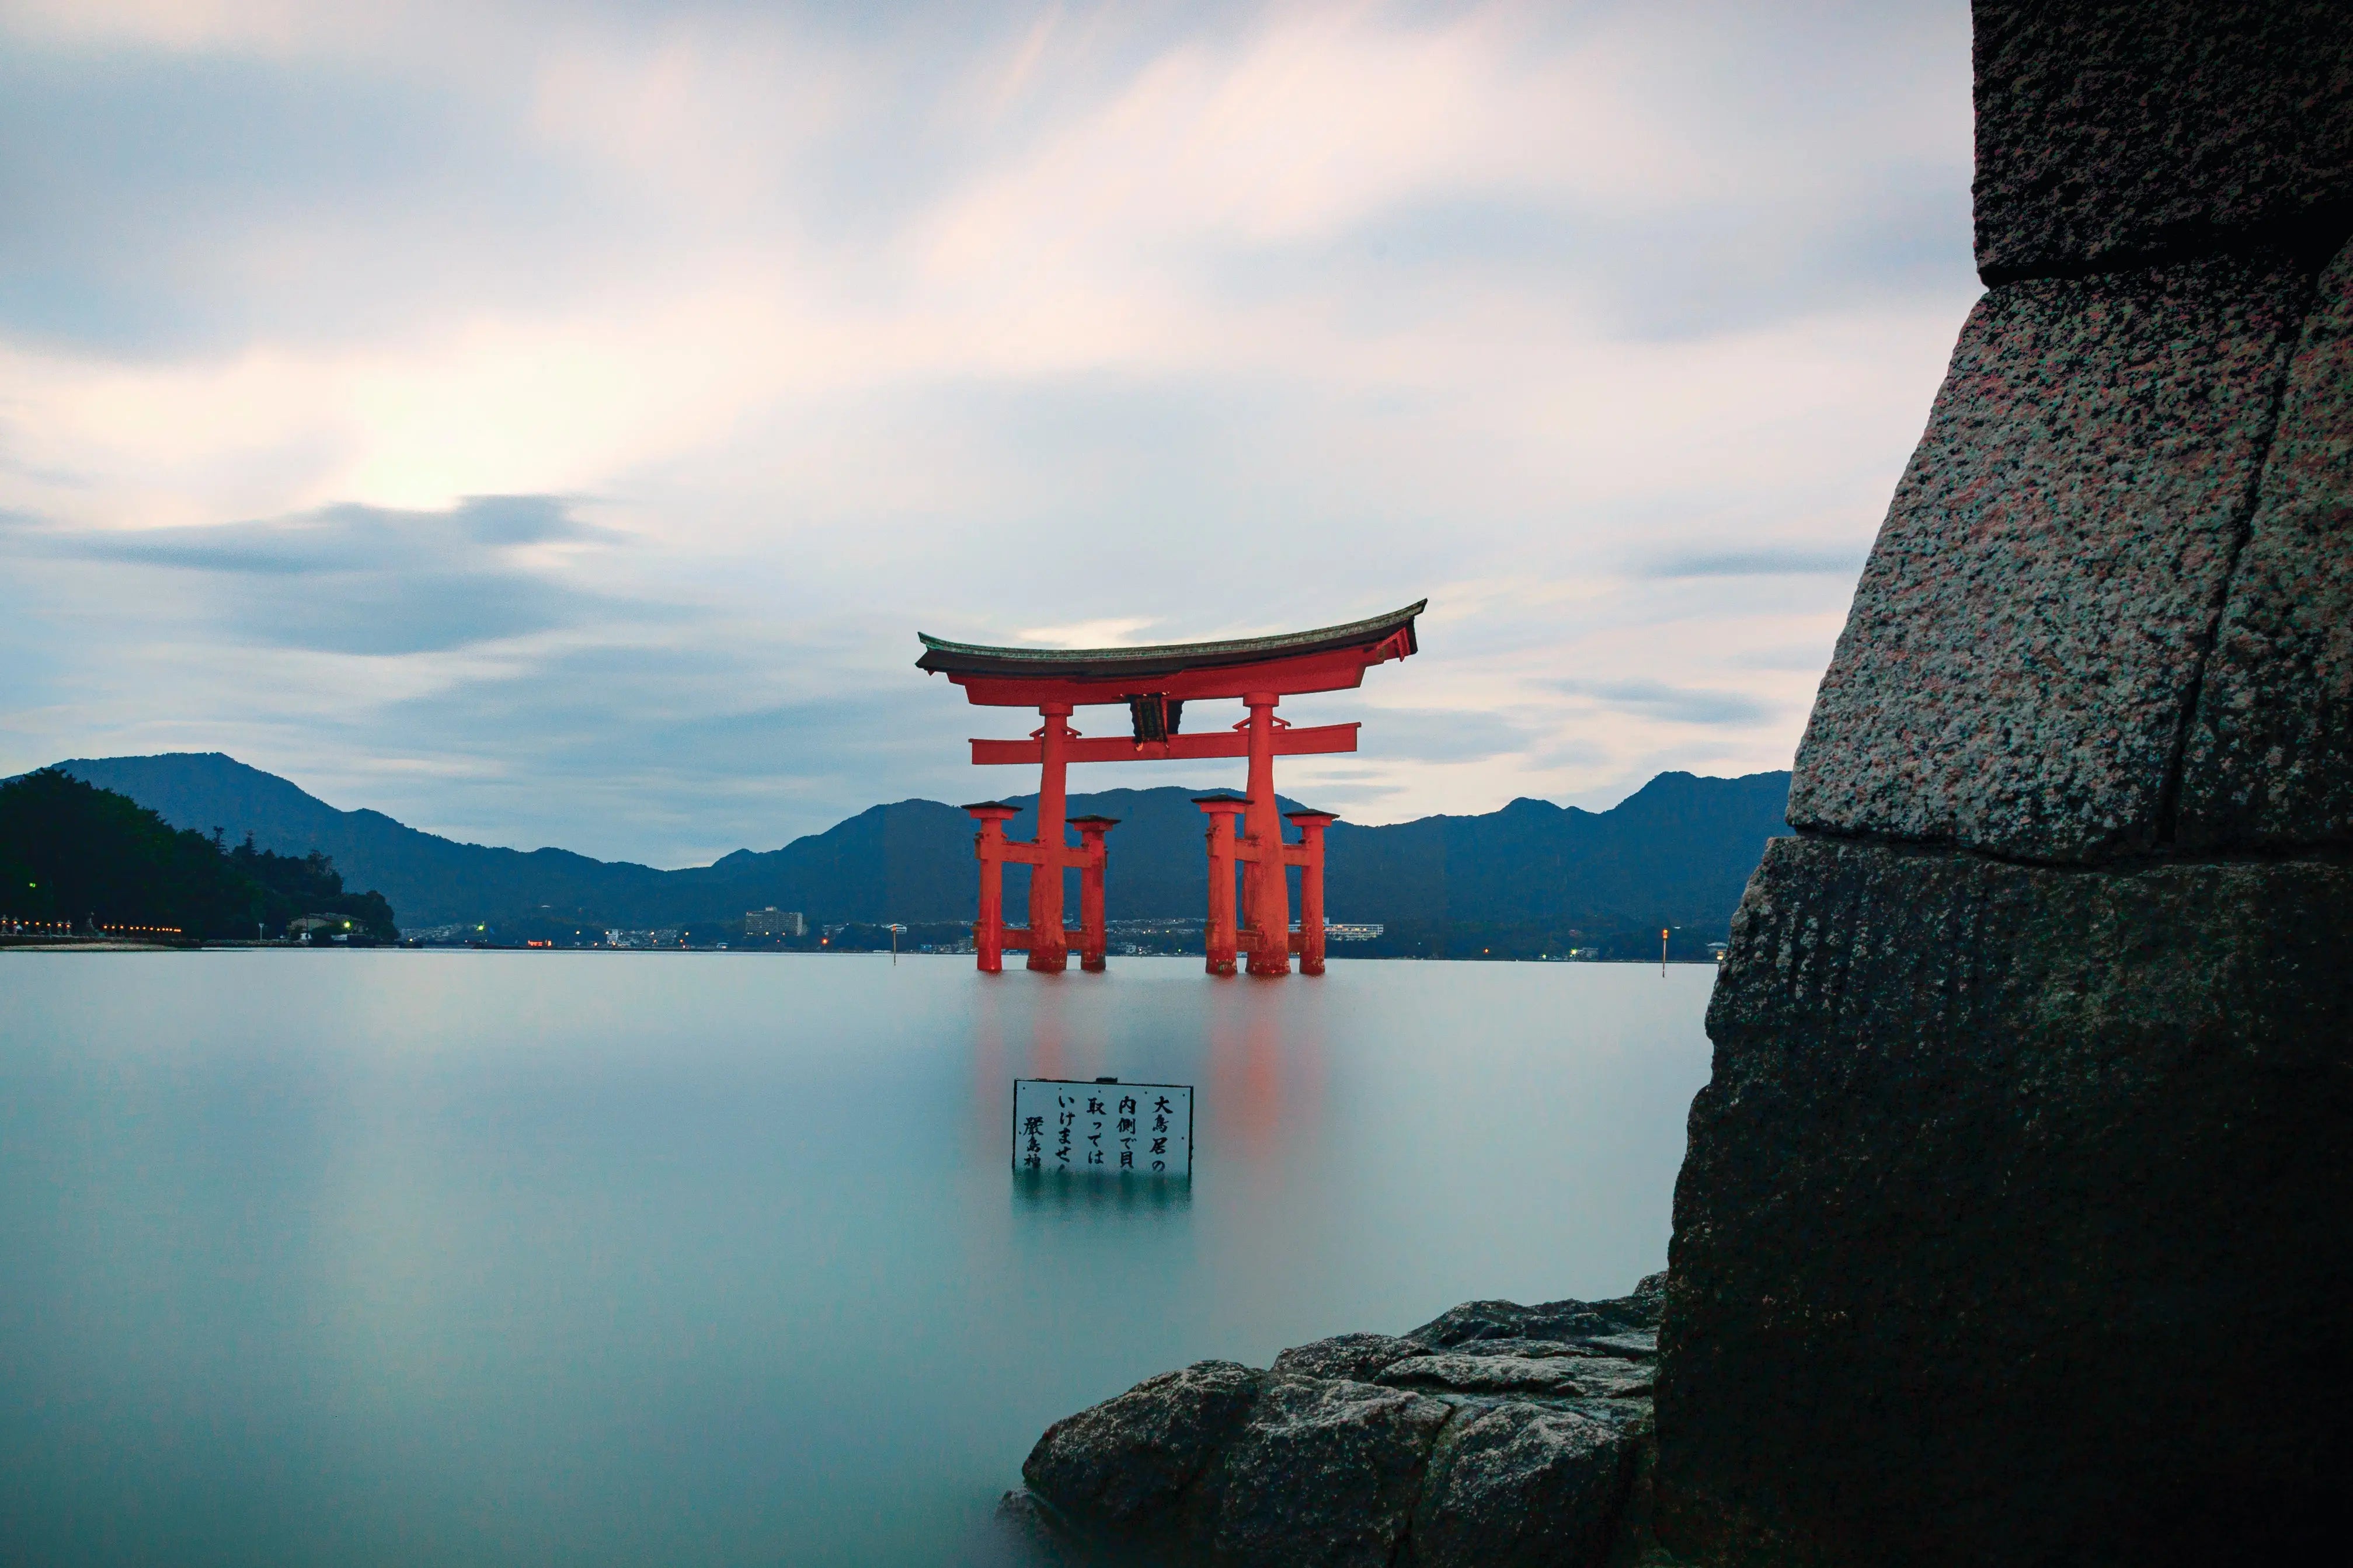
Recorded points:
1328,659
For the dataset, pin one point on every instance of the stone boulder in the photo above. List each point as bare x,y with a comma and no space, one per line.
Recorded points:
1519,1486
1592,1377
1635,1344
1471,1320
1358,1356
1130,1461
1372,1449
1323,1472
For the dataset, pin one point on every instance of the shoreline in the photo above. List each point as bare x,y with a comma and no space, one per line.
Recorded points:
23,944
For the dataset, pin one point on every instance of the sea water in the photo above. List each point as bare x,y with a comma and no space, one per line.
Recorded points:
618,1258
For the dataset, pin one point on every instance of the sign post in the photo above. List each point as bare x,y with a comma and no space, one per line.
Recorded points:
1103,1128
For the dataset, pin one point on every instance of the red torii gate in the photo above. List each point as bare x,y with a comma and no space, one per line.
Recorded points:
1154,684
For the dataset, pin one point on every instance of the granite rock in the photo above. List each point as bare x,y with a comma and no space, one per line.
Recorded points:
1594,1377
1522,1487
2270,760
1635,1416
1640,1306
1358,1356
2111,133
1130,1461
1324,1473
2016,671
1635,1344
1994,1162
1546,1320
1534,1349
1504,1450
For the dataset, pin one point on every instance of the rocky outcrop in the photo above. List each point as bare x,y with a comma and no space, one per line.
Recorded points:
1496,1434
2034,1051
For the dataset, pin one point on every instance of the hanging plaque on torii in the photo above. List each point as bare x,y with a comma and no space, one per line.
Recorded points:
1154,684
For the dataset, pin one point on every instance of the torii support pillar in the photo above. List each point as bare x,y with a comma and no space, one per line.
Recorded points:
1308,855
1218,934
1091,856
991,937
989,845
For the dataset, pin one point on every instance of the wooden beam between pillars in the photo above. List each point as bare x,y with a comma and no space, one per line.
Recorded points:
1315,740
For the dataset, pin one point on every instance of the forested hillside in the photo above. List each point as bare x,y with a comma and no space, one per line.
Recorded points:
73,854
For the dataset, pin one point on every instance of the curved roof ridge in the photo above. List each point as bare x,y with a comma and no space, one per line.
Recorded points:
1369,627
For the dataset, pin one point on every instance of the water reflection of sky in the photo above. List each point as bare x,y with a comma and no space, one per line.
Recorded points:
455,1259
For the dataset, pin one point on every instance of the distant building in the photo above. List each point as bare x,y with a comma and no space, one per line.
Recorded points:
1335,931
773,922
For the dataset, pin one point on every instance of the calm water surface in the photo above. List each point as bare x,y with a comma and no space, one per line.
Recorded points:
458,1258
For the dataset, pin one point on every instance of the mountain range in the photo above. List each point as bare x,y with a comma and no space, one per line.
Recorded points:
1677,852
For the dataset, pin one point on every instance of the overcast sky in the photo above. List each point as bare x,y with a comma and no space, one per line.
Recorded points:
551,423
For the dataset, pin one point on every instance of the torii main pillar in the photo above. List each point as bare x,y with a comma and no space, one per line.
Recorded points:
1266,891
1050,950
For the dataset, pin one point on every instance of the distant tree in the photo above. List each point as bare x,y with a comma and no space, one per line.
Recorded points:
312,882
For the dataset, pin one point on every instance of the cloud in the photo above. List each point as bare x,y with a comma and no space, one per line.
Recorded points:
1674,704
1438,735
1771,560
184,204
366,580
1119,631
1807,658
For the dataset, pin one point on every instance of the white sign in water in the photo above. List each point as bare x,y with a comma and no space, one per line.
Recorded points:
1104,1128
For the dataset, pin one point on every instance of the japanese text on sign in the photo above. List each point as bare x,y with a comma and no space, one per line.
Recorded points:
1102,1129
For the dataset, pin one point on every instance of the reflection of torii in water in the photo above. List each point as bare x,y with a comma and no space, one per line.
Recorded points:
1154,684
